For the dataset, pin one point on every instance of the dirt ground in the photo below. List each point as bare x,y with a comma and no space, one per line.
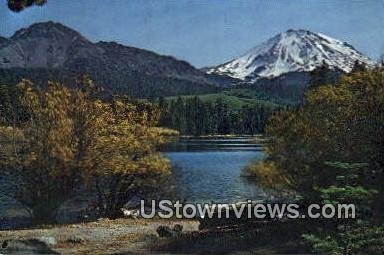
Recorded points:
139,236
121,236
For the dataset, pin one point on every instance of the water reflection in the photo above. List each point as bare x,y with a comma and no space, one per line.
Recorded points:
210,169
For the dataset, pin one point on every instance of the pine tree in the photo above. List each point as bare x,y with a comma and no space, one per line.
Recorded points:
320,75
347,236
5,104
358,67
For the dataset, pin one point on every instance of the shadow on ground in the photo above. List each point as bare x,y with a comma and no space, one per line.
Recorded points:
267,239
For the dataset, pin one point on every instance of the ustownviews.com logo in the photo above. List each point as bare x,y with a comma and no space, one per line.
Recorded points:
250,209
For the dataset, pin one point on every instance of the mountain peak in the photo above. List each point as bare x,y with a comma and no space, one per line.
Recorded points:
296,31
49,29
45,44
53,46
292,51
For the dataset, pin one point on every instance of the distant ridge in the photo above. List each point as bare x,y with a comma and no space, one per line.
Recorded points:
139,72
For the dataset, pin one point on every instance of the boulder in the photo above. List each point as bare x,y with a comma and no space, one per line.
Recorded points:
178,228
25,247
75,240
133,214
166,231
49,240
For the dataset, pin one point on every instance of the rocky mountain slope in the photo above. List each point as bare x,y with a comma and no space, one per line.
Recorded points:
140,72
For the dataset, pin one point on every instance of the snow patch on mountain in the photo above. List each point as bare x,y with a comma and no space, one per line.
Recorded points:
292,51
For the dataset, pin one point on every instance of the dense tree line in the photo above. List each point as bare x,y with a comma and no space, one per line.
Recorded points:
193,116
122,82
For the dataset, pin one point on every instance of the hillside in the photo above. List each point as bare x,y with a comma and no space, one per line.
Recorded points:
54,48
234,98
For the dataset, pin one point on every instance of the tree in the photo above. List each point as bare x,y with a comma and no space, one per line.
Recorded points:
223,122
71,138
41,150
19,5
381,61
179,115
341,122
316,151
346,236
358,67
194,116
320,75
5,104
121,157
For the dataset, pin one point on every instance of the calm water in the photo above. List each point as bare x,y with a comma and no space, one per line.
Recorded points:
210,169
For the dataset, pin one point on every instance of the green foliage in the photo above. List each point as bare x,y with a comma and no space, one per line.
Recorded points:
341,122
325,245
367,239
11,108
344,195
313,149
348,236
200,116
234,98
320,76
362,239
348,189
358,67
122,82
5,103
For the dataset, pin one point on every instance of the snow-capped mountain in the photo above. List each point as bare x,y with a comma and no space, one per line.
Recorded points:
292,51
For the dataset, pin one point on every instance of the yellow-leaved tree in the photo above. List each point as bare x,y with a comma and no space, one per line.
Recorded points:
70,139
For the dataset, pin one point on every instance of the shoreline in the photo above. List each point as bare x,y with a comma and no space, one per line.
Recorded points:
103,236
140,236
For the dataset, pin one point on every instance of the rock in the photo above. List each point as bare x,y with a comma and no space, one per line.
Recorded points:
13,215
166,231
25,247
150,238
134,202
133,214
75,240
49,240
178,228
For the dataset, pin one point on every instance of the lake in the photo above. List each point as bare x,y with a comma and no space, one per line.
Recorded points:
210,169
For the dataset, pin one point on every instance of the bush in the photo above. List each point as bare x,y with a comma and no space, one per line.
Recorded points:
71,138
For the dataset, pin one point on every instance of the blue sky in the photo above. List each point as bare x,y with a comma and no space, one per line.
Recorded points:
208,32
